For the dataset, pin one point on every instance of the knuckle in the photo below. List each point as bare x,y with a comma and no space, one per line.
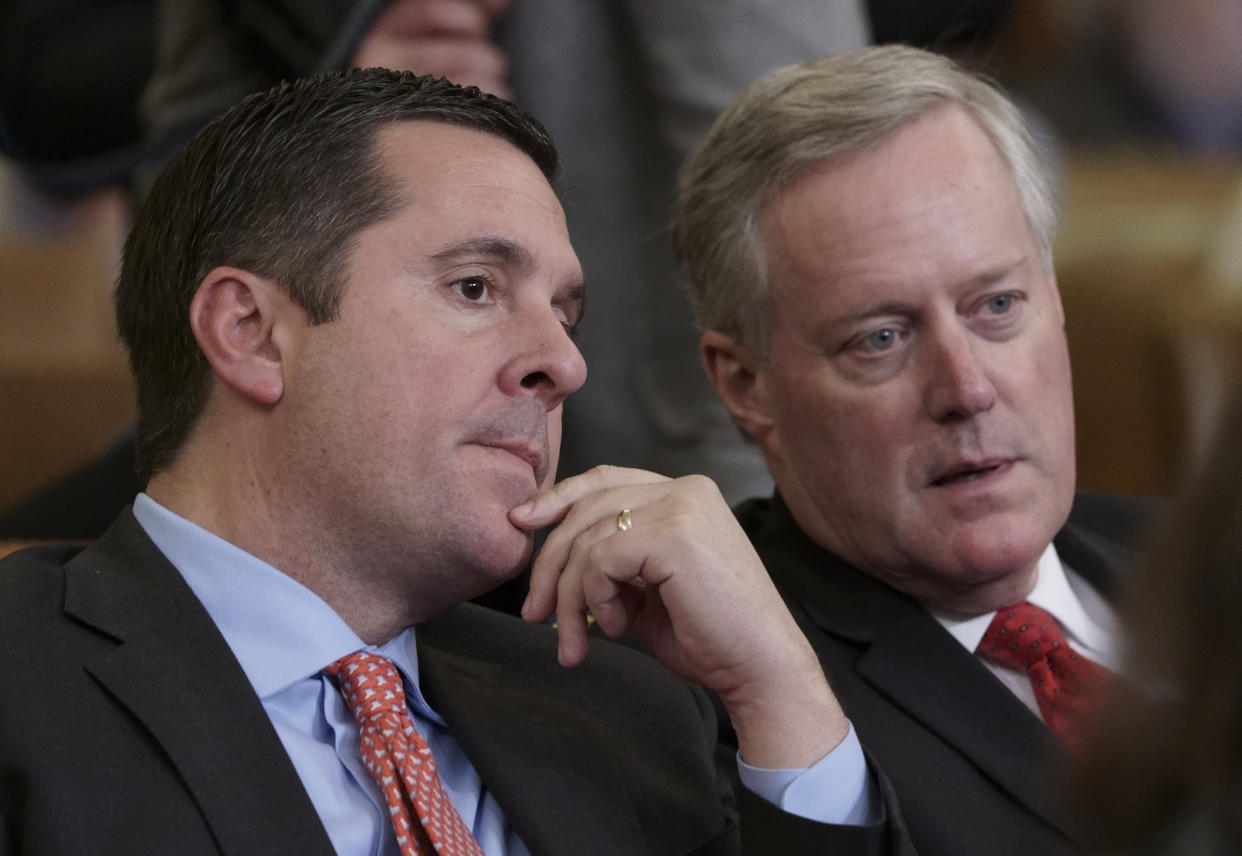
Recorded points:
700,485
596,555
605,472
683,524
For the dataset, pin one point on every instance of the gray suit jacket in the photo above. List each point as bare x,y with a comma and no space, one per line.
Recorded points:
127,726
973,770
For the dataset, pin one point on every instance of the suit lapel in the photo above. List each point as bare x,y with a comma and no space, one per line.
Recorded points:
923,670
174,672
911,661
553,779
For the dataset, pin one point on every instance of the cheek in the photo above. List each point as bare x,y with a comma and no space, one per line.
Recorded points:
1048,384
1058,406
852,433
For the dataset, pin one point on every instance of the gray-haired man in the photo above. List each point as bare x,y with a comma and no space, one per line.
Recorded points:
867,242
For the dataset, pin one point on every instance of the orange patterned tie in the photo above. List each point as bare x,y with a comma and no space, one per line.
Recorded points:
399,760
1067,685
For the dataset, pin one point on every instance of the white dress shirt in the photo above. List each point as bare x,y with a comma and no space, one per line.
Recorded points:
1086,619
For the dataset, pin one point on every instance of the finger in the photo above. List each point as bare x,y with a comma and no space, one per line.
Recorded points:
612,589
571,618
434,17
455,58
599,509
552,505
598,580
440,56
494,7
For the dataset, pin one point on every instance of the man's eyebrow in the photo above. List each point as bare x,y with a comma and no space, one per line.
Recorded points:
872,310
575,300
489,247
510,252
1000,271
985,278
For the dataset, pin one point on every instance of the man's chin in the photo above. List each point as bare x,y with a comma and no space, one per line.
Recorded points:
998,560
506,555
501,571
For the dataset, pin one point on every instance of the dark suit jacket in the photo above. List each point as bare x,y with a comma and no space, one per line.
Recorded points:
127,726
972,768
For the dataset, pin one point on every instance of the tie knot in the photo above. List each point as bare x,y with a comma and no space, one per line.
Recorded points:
1066,684
1022,635
370,684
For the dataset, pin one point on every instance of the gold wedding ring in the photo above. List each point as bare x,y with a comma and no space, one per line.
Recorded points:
624,520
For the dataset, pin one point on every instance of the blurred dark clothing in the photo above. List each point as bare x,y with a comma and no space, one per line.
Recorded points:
80,506
71,75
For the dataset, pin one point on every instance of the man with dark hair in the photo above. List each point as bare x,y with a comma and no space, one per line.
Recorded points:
348,306
867,240
256,190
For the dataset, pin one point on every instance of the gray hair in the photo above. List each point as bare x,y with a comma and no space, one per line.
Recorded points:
802,115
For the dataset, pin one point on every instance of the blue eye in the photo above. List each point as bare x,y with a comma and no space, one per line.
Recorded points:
880,340
1000,304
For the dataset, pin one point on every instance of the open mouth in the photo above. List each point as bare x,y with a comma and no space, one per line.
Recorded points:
965,475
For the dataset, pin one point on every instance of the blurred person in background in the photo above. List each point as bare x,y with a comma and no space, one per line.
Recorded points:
1163,772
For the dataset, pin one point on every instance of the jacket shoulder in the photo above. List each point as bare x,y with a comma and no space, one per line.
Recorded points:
32,582
1117,516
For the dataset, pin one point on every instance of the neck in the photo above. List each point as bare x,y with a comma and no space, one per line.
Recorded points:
984,599
237,497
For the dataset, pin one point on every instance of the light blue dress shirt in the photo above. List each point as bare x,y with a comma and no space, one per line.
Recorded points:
284,651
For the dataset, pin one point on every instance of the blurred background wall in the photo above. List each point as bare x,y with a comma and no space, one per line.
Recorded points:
1138,101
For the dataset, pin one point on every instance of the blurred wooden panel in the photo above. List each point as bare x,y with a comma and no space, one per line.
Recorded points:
64,387
1137,261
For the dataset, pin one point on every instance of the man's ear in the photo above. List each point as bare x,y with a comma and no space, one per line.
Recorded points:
240,320
734,371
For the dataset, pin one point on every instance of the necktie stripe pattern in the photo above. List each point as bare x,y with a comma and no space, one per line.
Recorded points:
399,759
1067,685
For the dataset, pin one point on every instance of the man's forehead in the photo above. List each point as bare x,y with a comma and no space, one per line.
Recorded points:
437,144
891,183
426,160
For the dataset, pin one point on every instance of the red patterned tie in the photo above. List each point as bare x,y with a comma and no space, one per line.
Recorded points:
399,759
1067,684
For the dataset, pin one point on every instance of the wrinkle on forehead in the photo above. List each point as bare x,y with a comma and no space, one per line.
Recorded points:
861,226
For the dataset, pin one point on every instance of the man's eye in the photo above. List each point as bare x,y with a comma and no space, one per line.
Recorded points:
473,289
880,340
1000,304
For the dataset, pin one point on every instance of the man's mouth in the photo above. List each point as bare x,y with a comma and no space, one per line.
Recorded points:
968,472
531,454
522,435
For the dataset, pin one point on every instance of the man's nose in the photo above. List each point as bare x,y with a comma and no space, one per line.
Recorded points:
547,365
958,385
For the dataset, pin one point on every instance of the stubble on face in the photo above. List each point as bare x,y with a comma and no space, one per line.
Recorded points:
427,410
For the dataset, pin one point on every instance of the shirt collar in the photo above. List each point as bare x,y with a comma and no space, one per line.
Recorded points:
279,630
1054,591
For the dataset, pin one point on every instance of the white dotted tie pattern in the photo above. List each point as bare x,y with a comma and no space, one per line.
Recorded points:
399,760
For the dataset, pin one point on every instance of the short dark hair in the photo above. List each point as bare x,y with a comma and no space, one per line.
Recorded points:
280,185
